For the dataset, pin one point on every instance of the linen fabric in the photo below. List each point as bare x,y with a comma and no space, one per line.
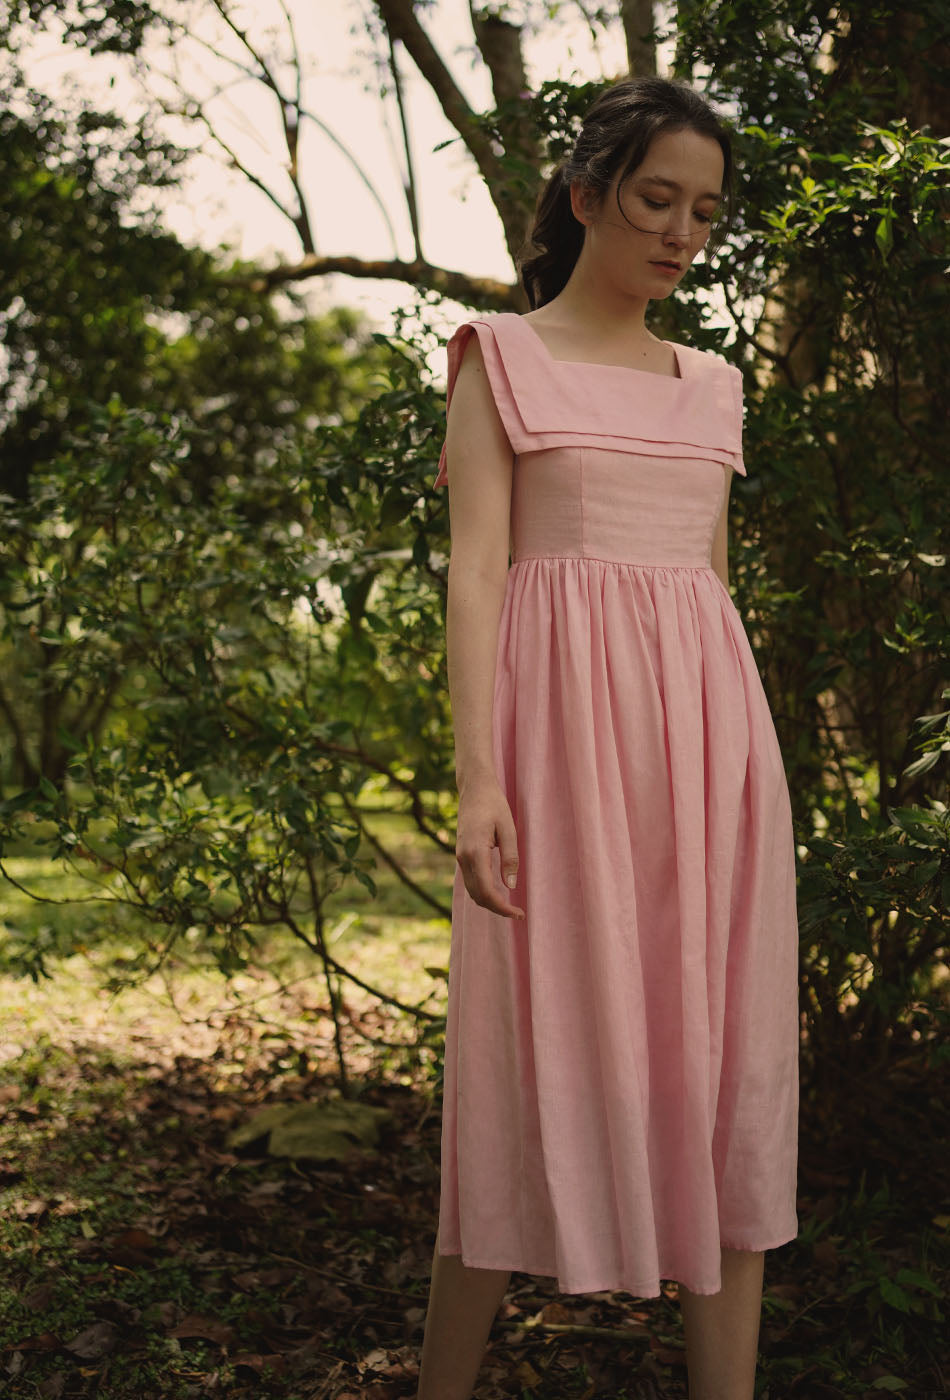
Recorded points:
621,1067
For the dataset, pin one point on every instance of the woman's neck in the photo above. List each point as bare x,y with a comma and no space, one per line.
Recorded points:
598,313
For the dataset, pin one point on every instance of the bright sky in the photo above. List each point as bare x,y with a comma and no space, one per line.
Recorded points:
341,87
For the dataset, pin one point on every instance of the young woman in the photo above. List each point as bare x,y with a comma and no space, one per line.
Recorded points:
621,1062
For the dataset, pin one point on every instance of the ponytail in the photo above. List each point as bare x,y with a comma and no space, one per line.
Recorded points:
559,237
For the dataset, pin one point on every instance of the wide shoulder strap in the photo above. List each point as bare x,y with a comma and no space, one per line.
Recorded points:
723,395
505,368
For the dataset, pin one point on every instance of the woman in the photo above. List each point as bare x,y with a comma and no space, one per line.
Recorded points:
621,1065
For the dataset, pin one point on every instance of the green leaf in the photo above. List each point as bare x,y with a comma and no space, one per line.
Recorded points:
919,1280
394,507
365,879
894,1295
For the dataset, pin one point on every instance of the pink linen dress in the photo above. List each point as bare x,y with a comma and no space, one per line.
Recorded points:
621,1067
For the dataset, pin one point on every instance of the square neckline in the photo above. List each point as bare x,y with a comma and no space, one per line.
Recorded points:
595,364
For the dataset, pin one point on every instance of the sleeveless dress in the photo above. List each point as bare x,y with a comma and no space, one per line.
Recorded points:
621,1067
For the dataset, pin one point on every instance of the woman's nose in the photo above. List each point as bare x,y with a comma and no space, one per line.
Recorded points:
674,236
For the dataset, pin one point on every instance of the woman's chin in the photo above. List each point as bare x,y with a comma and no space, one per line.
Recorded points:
660,293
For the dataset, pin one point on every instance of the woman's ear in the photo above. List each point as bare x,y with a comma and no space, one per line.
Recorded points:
583,201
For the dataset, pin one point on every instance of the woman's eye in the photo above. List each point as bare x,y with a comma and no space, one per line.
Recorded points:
656,204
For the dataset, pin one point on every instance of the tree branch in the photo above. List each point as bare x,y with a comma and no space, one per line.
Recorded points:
400,873
409,187
291,125
170,110
499,43
29,772
338,967
485,293
400,20
636,16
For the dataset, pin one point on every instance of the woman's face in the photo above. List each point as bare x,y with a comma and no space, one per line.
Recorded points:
668,202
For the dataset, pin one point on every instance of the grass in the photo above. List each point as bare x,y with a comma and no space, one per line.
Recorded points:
142,1257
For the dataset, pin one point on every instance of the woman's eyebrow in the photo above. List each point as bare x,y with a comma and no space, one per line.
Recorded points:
672,184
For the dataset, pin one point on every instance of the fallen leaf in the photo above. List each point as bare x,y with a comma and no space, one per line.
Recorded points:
415,1318
207,1328
32,1209
133,1249
254,1361
555,1312
135,1238
94,1341
669,1356
38,1298
41,1341
374,1358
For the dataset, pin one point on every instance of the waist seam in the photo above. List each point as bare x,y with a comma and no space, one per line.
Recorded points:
597,559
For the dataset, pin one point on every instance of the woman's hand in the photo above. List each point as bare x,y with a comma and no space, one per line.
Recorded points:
485,821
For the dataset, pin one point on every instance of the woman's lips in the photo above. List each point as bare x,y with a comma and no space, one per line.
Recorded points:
670,268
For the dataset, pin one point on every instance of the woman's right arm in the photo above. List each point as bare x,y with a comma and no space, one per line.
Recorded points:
479,462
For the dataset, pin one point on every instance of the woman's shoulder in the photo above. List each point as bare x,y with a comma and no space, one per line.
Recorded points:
484,318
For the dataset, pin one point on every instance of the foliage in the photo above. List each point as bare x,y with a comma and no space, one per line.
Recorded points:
218,789
836,284
100,303
172,495
177,339
195,684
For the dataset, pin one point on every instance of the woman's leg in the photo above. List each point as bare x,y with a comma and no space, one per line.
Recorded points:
722,1329
462,1306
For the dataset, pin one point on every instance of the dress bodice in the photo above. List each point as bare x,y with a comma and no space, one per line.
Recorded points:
611,462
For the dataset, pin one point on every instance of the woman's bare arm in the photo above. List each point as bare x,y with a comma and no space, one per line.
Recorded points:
479,467
479,463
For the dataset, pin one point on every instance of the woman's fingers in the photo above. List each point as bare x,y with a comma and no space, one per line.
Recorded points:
482,884
483,888
508,847
486,824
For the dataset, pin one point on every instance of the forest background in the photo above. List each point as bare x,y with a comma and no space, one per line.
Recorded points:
226,735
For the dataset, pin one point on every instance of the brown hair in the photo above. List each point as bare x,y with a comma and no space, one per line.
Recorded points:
618,127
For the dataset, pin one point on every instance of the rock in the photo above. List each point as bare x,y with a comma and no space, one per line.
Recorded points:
318,1132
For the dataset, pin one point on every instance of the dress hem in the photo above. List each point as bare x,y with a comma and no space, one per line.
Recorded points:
636,1291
